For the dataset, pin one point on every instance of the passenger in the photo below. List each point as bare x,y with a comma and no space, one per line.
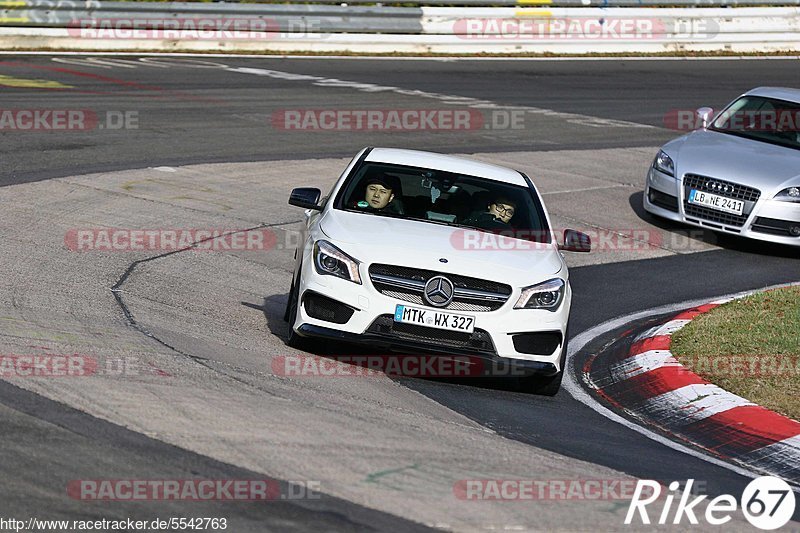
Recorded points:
497,216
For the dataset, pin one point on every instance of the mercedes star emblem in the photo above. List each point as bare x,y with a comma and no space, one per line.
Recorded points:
438,291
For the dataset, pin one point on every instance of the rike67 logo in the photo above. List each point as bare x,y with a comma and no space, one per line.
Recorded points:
767,503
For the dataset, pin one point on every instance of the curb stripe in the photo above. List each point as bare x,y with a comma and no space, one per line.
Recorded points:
698,403
650,384
699,310
638,364
643,387
781,458
661,342
664,329
742,430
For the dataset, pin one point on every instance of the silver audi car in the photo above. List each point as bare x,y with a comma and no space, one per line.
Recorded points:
738,173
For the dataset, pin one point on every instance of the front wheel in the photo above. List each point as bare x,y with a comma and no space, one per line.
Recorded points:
288,314
542,385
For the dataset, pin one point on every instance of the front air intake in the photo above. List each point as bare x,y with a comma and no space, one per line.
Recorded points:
327,309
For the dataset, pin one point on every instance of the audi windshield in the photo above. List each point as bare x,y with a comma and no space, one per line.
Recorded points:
762,119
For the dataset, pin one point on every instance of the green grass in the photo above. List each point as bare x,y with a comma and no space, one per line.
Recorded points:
750,347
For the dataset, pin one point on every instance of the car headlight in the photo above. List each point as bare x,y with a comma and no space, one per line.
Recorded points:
790,194
664,163
331,261
547,295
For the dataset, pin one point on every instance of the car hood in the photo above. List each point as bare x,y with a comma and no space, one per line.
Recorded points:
375,239
719,155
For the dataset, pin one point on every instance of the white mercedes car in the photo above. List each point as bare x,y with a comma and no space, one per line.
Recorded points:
738,173
422,252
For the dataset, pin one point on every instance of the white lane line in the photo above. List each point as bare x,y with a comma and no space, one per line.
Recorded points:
92,62
476,103
99,62
572,384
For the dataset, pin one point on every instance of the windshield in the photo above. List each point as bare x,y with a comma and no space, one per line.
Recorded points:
438,197
762,119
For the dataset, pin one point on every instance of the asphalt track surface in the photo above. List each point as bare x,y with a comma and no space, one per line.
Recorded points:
191,115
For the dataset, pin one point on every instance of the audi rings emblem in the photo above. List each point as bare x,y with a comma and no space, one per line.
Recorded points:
719,187
438,291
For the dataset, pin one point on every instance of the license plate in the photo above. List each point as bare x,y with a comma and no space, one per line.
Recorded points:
714,201
434,319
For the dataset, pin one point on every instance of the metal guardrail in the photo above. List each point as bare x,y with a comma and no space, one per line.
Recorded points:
267,17
666,24
536,27
56,11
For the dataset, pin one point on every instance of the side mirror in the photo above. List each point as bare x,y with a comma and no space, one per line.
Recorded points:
305,197
575,241
704,116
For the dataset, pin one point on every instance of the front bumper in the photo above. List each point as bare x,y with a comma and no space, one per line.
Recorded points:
768,220
370,323
381,342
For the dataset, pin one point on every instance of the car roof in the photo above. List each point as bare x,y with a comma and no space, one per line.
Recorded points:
448,163
779,93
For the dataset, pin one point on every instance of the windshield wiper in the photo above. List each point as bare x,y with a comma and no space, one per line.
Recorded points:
440,222
377,213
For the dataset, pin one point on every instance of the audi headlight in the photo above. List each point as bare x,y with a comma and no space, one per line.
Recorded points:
547,295
331,261
664,163
791,194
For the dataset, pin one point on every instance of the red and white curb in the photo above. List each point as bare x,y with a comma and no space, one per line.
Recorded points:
649,384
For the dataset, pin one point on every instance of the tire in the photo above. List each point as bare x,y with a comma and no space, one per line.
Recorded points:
542,385
547,385
287,313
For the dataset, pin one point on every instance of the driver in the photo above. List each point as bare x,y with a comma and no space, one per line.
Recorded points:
379,194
